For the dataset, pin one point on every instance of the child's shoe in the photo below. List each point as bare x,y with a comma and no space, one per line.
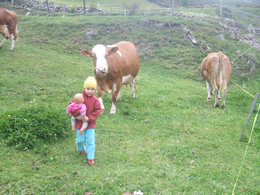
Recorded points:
91,162
83,152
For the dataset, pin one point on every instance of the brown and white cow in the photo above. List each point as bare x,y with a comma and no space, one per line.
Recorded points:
115,65
8,26
216,70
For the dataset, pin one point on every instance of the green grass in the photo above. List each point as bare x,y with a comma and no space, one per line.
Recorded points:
168,140
107,5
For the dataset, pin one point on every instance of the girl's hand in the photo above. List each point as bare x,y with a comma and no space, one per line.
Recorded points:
85,119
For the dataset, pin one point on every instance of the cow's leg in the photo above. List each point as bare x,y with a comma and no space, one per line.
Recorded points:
224,92
99,94
3,41
209,89
118,98
216,98
116,90
13,42
219,98
5,32
132,84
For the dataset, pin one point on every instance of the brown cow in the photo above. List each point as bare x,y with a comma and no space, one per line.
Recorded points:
8,26
216,70
115,65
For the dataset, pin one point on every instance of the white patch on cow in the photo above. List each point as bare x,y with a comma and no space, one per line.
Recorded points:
109,91
114,87
113,109
127,79
111,45
118,98
101,65
101,103
205,73
3,41
16,30
119,53
209,89
133,88
13,42
221,78
4,30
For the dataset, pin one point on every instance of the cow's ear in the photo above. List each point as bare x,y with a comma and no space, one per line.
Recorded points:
86,53
112,51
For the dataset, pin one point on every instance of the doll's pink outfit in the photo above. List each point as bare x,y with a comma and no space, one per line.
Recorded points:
72,108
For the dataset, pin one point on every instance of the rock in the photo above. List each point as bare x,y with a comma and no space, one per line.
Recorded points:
189,35
91,34
221,37
250,39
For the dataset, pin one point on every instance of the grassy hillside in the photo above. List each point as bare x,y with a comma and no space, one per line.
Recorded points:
168,140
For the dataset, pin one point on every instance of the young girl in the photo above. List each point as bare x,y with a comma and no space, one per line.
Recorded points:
93,110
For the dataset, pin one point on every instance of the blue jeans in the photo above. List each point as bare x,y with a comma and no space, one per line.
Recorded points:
88,137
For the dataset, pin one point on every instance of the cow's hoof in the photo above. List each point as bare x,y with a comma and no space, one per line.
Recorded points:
208,99
102,110
112,112
216,105
223,106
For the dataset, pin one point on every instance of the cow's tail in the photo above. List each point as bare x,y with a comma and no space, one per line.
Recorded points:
221,70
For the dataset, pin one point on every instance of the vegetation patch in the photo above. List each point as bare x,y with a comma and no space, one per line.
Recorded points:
27,126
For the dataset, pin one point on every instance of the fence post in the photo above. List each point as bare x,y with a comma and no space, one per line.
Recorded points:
220,9
84,6
48,6
249,115
172,6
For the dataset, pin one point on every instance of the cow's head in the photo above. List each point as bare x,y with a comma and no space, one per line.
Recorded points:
100,53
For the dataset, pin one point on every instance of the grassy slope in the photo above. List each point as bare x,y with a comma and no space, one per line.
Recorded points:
108,5
186,146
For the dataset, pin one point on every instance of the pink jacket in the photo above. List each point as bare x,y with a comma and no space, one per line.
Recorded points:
74,106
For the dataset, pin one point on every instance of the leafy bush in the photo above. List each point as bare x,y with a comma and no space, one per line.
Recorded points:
132,6
72,10
27,126
92,7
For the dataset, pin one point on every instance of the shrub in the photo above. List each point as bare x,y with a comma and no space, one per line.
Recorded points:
72,10
92,7
132,6
27,126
